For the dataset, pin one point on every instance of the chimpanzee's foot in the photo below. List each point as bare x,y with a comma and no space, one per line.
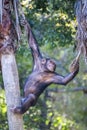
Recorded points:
16,110
26,103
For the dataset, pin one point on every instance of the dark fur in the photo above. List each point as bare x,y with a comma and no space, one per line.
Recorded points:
41,77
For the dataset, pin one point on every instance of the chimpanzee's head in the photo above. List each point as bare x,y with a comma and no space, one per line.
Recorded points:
49,64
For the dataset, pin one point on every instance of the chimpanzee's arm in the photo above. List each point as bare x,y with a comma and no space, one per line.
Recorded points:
57,79
33,45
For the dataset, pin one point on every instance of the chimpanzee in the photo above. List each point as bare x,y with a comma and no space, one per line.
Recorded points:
43,74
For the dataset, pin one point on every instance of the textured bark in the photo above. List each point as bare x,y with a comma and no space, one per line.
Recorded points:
8,37
11,84
81,16
8,64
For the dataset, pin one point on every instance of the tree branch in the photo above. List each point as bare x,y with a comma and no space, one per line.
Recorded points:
63,90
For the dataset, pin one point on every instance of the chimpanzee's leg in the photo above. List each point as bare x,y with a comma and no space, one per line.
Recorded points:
26,103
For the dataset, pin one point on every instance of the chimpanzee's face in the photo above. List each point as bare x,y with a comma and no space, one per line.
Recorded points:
51,66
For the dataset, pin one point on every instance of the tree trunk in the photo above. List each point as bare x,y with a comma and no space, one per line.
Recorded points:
81,35
11,84
8,64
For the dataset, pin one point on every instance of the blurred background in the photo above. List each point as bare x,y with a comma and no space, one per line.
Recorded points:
59,107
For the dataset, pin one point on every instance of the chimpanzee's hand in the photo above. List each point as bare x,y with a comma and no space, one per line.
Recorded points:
74,67
23,21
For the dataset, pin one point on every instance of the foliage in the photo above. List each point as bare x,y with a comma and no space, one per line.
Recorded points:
56,25
3,120
53,23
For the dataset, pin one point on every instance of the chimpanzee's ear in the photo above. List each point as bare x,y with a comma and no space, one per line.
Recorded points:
43,61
